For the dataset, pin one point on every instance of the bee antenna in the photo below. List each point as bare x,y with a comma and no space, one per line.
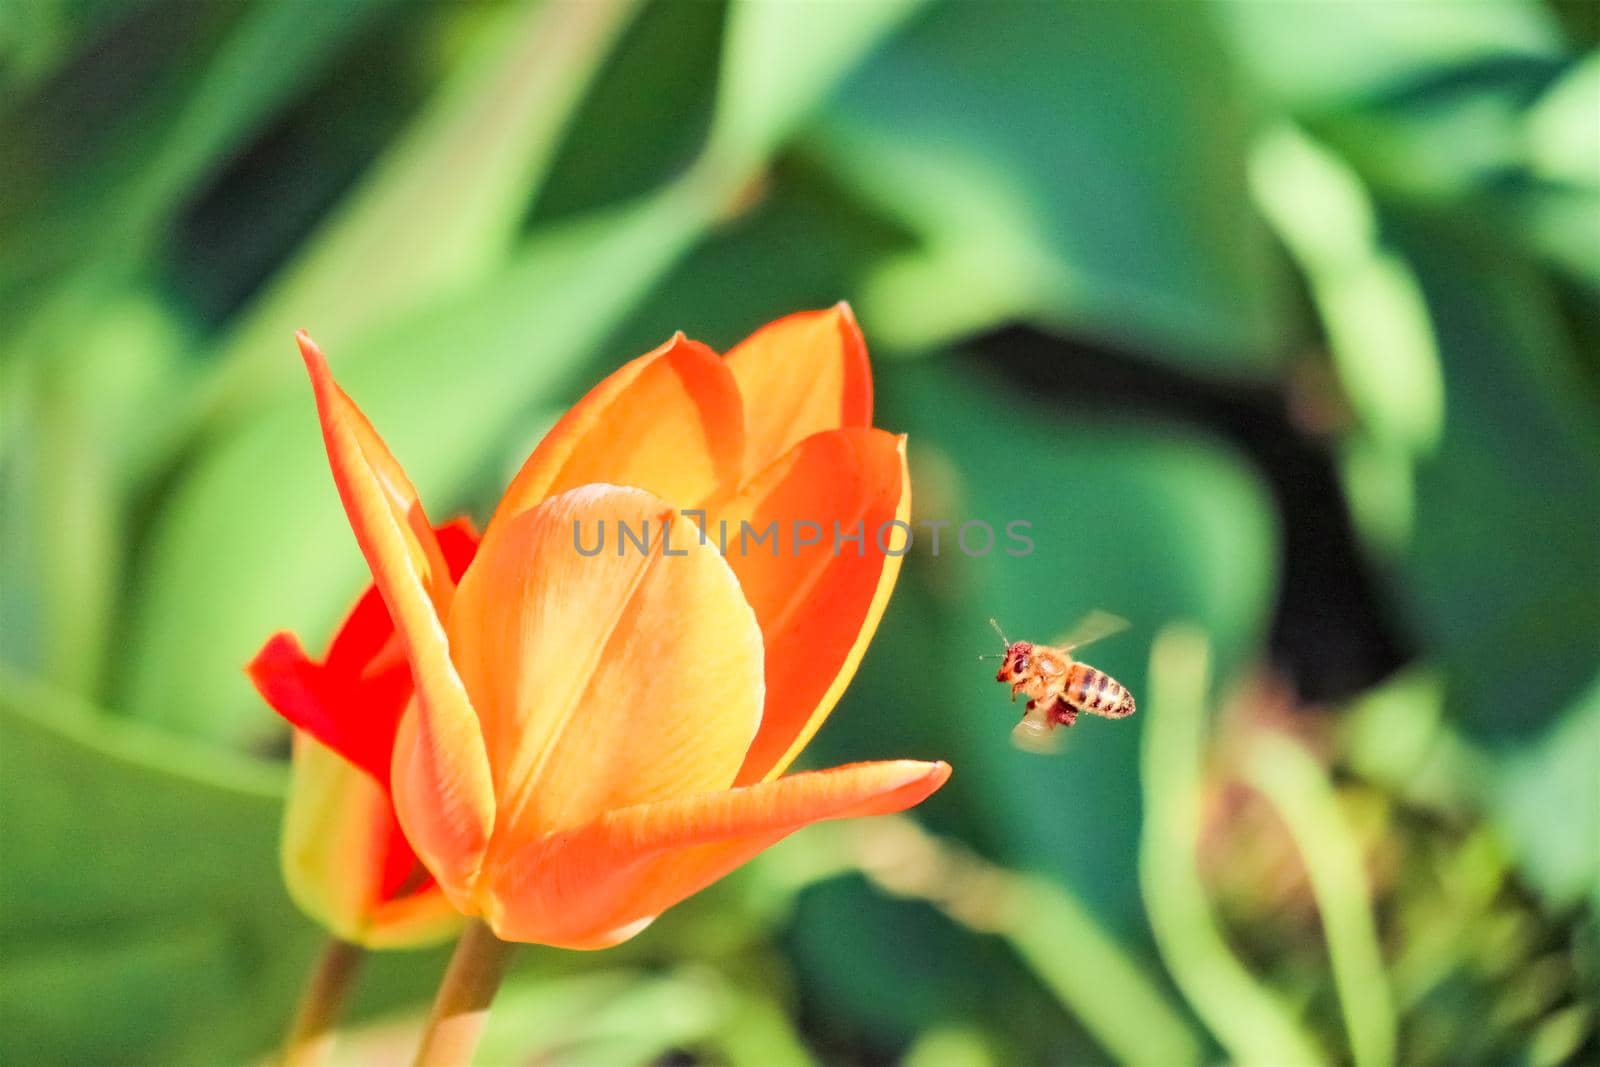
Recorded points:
1001,632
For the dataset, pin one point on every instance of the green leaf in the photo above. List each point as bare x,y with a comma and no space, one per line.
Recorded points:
1474,466
1482,109
142,906
37,38
1371,306
443,207
935,969
619,147
1301,55
103,209
1048,183
142,914
245,82
70,427
1546,800
1563,141
1499,575
781,60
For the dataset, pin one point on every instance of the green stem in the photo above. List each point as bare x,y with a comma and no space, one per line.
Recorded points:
1251,1020
328,986
461,1008
1298,788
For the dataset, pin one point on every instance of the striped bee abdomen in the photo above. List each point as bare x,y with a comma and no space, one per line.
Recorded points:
1098,693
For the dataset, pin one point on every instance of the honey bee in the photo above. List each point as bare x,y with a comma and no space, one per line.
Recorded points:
1058,686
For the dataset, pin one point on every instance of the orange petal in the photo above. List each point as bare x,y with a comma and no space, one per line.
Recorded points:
352,700
600,884
669,422
800,375
603,680
338,844
440,774
818,605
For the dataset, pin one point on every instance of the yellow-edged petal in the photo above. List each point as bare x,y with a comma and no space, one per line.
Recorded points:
440,774
800,375
415,920
669,422
818,604
604,680
600,884
329,838
338,828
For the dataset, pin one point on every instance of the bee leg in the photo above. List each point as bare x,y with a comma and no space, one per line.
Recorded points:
1064,713
1016,687
1036,723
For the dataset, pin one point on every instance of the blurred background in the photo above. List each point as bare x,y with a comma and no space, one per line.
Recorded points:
1277,321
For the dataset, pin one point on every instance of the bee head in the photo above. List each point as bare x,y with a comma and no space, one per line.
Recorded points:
1015,664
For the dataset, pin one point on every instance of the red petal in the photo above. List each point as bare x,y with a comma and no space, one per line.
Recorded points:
353,700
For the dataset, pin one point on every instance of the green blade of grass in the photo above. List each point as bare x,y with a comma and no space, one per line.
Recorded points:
102,218
275,50
444,204
1071,954
1246,1017
1298,789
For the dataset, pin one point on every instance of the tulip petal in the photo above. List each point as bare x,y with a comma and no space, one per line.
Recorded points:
353,716
413,921
597,885
346,863
669,422
818,604
603,680
800,375
440,772
353,700
366,631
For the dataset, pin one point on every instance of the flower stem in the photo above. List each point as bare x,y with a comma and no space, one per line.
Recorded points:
312,1032
462,1006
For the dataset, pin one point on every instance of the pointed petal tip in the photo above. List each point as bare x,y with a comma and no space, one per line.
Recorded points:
316,362
464,530
931,773
670,422
804,373
680,343
906,784
281,648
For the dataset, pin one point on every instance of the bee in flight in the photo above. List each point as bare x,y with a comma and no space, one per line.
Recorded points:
1059,687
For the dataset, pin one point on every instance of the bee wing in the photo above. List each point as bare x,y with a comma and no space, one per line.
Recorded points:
1030,735
1093,627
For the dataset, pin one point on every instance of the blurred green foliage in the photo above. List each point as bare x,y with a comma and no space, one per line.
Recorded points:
1060,225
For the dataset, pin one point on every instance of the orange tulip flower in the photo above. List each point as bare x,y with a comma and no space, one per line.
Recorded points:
596,737
345,860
